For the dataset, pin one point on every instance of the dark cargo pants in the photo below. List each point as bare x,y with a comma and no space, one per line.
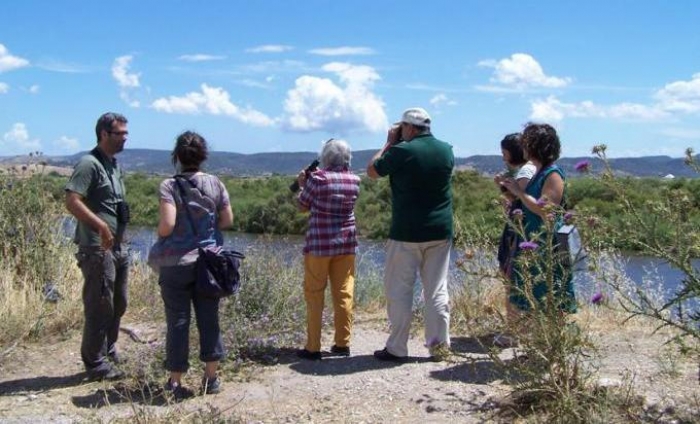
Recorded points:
179,297
104,302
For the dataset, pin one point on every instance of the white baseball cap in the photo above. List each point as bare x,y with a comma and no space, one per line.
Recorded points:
416,116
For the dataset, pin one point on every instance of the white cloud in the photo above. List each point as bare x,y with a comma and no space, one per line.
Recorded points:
214,101
637,111
498,89
353,75
552,109
66,143
681,96
682,133
34,89
17,139
4,88
126,97
676,97
268,67
253,83
343,51
520,72
200,57
127,81
269,48
9,62
62,67
120,72
319,104
547,110
442,99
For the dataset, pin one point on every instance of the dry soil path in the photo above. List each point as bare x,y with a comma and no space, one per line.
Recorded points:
45,383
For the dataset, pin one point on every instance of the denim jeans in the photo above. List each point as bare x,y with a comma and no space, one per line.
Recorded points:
178,293
104,301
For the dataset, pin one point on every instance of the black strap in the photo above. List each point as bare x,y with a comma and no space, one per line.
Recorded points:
100,158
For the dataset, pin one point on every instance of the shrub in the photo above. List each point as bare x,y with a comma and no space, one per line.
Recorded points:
662,226
39,287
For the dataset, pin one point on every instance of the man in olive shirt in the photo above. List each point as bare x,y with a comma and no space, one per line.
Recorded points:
95,196
419,167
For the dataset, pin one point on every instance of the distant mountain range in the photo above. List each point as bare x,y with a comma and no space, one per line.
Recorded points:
289,163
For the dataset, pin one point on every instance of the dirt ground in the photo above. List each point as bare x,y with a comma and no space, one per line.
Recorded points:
45,382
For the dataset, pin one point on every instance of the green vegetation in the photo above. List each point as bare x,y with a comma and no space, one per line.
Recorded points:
551,375
30,215
266,206
663,225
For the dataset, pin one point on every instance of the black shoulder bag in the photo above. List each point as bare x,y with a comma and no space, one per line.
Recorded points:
217,268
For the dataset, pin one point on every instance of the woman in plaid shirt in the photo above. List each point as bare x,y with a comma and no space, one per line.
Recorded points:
329,195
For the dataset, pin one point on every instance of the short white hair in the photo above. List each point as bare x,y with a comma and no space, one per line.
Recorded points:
335,153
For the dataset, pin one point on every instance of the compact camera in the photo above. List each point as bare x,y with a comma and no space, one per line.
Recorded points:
123,212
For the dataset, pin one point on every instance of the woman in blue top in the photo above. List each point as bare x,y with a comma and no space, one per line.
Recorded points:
541,200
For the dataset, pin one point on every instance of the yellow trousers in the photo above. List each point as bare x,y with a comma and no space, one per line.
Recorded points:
340,270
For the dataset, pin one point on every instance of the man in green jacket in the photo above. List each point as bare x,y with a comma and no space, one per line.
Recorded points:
419,167
95,196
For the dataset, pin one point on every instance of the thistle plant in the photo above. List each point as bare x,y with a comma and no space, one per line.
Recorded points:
661,228
550,368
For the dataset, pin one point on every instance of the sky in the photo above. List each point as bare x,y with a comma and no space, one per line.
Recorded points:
282,76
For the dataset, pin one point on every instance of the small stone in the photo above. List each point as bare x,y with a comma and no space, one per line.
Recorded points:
609,382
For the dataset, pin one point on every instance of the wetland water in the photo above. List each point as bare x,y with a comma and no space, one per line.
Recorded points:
651,273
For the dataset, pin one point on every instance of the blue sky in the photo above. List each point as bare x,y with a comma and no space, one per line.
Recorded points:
265,76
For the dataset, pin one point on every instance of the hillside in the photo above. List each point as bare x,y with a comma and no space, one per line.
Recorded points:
289,163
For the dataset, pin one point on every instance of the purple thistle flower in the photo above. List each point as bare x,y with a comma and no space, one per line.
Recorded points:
528,245
597,298
568,217
541,202
582,166
517,212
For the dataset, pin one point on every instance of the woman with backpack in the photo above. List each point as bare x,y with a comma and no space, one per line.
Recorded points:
194,209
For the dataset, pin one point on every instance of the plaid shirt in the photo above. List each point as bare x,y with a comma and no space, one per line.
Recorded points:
330,196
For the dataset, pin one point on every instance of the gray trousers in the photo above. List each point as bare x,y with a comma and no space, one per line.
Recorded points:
104,301
179,296
404,261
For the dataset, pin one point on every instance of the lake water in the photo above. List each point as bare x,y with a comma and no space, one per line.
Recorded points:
652,274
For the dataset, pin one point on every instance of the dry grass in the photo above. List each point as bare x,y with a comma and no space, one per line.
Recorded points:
27,170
